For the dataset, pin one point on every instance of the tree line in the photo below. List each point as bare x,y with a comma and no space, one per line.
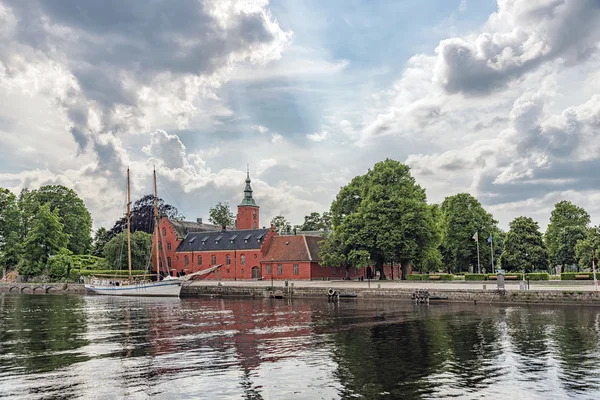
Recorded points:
378,218
40,229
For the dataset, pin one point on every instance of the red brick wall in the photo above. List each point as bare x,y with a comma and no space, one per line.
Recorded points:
287,270
167,235
233,271
248,217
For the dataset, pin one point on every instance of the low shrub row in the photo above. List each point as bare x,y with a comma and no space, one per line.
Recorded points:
475,277
538,276
430,277
76,273
576,276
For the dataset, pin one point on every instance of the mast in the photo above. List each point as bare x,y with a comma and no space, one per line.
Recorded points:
128,224
156,224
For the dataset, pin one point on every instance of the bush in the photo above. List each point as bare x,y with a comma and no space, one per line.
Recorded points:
58,266
519,276
555,277
475,277
445,277
76,273
571,276
540,276
88,262
415,277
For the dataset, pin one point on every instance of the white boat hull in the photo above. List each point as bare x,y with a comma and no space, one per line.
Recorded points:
170,288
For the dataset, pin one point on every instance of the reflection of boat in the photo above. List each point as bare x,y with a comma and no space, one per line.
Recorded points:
116,286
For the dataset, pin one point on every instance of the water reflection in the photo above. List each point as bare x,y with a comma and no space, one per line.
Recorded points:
103,347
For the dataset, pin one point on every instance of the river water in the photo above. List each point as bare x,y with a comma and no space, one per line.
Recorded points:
54,346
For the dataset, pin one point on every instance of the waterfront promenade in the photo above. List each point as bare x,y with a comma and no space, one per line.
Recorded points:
408,285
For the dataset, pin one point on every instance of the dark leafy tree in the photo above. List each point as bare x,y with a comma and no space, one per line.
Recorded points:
587,245
221,215
115,250
462,216
101,237
568,225
335,253
384,214
524,247
316,222
45,239
142,215
9,229
73,214
281,224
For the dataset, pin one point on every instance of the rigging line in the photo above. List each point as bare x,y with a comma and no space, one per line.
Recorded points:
172,198
120,259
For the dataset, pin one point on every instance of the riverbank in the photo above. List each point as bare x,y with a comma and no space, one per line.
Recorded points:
538,293
482,292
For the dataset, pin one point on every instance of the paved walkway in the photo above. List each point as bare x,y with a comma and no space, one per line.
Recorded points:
407,285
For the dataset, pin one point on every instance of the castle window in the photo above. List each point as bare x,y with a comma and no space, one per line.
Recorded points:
159,245
228,259
255,256
243,259
254,225
186,260
254,214
164,230
169,262
213,260
296,269
279,269
269,272
199,260
169,246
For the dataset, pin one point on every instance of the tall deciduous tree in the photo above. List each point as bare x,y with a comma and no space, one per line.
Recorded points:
316,222
9,229
142,215
115,250
44,239
221,215
524,247
568,225
384,214
462,216
101,238
281,224
73,214
335,253
584,247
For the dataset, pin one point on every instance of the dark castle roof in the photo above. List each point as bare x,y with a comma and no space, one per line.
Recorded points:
182,228
248,239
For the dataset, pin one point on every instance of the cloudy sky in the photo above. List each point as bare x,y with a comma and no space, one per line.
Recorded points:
499,99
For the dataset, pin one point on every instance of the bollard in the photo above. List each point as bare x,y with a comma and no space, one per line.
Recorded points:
378,286
484,286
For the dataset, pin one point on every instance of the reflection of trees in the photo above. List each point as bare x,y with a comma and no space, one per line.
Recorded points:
576,338
528,334
43,332
402,359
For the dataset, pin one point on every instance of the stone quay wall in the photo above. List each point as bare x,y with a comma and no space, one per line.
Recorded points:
42,288
438,295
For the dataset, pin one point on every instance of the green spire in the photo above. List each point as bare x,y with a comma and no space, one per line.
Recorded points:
248,200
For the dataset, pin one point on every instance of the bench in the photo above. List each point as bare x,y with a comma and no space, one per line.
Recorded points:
582,277
434,277
506,277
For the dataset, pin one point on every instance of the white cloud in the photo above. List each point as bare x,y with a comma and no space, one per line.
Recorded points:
317,136
260,128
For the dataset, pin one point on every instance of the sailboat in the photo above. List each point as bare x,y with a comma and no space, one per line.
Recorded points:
115,286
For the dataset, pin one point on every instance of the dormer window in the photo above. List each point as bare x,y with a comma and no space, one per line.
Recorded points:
247,237
233,238
218,238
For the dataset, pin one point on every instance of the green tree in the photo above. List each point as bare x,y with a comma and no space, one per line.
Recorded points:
568,225
60,264
316,222
524,247
281,224
142,215
115,250
384,214
73,214
9,229
221,215
45,238
584,247
101,237
334,253
462,216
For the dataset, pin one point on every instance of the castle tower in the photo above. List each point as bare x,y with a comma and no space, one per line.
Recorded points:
248,211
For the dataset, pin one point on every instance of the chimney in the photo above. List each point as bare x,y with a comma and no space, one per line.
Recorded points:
223,228
199,220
